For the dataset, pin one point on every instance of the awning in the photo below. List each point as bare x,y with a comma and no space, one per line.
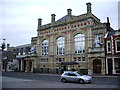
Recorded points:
68,63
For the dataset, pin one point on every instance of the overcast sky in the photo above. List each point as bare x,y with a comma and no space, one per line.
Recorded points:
19,17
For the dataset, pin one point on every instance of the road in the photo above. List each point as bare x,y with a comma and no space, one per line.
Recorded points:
33,80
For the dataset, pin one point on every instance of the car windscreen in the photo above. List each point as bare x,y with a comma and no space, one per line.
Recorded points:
79,74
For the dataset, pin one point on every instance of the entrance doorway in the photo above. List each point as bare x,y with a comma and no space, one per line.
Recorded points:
30,66
109,66
97,66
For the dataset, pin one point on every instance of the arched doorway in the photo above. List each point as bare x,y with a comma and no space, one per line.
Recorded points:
97,66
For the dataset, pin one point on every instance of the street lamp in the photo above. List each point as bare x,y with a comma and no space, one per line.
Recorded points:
3,45
4,62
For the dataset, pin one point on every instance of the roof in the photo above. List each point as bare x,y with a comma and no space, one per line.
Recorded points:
25,45
65,17
113,32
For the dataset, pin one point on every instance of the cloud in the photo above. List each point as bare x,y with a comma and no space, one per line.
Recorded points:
19,17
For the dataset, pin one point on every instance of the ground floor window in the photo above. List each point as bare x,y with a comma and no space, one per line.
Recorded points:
117,65
79,58
60,59
44,60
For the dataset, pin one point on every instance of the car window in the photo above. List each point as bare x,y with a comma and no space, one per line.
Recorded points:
66,74
72,74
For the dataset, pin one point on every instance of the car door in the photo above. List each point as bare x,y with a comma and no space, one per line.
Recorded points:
73,77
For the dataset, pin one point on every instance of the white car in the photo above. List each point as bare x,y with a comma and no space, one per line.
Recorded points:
75,77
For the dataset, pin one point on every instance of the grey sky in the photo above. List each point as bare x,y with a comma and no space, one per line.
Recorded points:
19,17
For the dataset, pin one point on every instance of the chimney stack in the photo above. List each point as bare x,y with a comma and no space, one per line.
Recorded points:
108,24
89,8
39,22
69,12
53,17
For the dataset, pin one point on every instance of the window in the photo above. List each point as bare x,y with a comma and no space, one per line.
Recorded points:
24,51
60,46
118,45
19,51
98,40
108,47
71,74
45,47
117,65
83,58
75,59
44,60
79,43
79,58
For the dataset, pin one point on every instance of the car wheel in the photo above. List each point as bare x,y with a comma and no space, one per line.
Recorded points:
81,81
63,80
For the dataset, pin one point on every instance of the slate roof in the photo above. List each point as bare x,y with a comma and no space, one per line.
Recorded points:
65,17
113,32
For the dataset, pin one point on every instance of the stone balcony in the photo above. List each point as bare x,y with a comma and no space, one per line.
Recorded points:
27,55
96,50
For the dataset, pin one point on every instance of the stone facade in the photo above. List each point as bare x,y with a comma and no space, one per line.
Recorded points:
71,43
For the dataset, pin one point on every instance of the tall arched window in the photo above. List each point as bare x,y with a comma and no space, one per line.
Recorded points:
79,43
60,46
45,47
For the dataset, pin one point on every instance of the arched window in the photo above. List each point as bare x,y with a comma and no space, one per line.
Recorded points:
45,47
79,43
60,46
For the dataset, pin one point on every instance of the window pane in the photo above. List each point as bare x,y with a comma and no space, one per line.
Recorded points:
118,45
60,45
79,43
45,47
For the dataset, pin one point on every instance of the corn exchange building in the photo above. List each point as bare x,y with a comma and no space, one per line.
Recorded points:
71,43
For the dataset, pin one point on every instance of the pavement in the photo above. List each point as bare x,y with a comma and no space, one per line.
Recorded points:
94,75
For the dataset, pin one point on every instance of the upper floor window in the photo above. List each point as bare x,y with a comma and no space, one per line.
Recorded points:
45,47
118,45
60,46
24,51
108,47
98,40
79,43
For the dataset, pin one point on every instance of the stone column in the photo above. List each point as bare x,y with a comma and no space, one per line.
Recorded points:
103,66
106,66
90,65
113,62
21,69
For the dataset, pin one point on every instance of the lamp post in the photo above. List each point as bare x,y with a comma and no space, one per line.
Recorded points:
5,61
3,45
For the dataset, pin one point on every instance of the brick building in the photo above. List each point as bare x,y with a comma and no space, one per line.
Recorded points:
112,41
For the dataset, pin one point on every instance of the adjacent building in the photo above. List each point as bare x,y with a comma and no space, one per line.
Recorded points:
22,52
9,61
26,56
71,43
112,47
